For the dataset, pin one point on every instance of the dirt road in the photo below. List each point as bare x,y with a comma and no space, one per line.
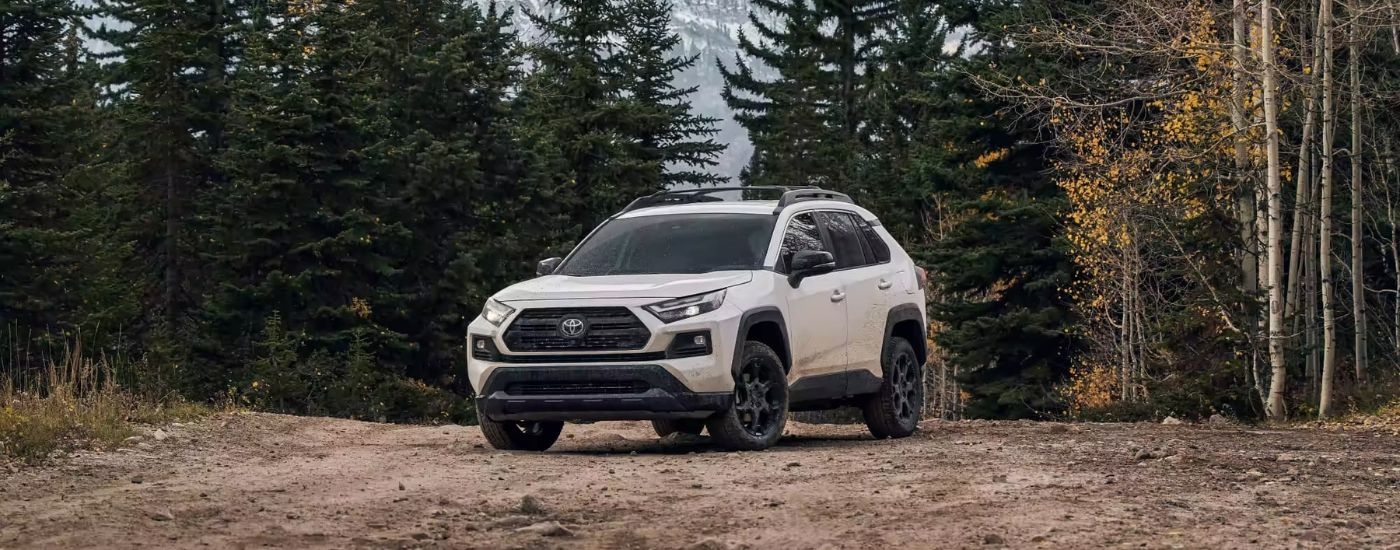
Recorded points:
257,480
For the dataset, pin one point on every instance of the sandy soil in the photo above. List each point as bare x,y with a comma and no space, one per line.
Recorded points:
257,480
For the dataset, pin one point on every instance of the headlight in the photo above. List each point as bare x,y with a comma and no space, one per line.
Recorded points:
684,308
496,312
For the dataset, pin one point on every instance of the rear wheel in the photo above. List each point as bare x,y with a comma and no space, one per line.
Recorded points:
685,426
756,418
895,410
521,436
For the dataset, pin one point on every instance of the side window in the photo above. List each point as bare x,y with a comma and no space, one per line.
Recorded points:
846,239
878,249
802,234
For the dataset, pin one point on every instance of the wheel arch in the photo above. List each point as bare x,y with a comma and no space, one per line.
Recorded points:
907,321
765,325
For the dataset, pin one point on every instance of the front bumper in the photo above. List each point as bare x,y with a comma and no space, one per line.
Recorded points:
593,392
576,386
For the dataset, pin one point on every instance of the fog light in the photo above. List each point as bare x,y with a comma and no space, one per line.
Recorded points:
690,344
483,348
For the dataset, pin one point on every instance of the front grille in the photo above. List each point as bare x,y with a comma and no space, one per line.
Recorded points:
578,388
609,328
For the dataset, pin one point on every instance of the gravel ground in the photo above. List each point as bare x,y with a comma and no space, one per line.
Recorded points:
259,480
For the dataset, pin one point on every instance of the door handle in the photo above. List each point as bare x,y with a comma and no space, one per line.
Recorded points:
885,284
838,296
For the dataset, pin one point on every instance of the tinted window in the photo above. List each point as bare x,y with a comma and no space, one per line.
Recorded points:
802,234
682,243
878,249
846,239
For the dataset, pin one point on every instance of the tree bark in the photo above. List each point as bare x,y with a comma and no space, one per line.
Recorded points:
1324,255
1358,287
1245,207
1303,193
1274,200
1387,170
1394,245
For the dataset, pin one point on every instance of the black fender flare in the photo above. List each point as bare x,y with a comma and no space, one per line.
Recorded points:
753,317
908,312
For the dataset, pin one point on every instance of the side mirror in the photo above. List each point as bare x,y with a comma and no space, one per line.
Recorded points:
808,263
547,266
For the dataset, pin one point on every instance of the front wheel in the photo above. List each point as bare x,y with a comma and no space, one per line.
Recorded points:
894,411
521,436
756,418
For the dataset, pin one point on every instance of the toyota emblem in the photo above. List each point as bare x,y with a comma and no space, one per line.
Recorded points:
572,327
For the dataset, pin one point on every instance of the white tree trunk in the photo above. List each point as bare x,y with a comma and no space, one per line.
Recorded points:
1246,210
1358,287
1303,196
1329,124
1274,198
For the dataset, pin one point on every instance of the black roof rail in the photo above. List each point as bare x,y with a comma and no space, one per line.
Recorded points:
706,194
810,194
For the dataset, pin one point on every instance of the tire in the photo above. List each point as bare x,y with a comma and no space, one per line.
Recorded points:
686,426
895,410
756,417
521,436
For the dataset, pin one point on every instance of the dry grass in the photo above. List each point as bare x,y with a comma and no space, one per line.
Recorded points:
74,402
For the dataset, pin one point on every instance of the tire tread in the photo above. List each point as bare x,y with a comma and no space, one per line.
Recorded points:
879,409
725,427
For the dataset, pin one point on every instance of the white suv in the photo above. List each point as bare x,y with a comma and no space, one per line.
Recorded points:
697,312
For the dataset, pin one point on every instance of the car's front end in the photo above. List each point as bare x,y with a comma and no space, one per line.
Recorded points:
603,359
639,322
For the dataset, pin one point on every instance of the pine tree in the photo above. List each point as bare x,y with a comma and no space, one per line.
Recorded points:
814,111
1000,268
789,117
43,90
849,48
458,177
299,233
166,74
914,109
572,104
670,144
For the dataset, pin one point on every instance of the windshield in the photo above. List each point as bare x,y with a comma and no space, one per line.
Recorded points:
681,243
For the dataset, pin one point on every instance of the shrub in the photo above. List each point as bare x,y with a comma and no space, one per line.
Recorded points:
75,402
286,378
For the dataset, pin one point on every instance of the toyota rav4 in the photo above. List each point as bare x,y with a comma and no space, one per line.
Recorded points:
697,312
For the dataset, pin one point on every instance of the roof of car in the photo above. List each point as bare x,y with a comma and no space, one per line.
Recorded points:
738,207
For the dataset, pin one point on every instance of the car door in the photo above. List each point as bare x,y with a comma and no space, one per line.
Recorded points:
867,284
816,308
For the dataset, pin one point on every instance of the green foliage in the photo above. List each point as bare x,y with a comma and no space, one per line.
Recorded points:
50,278
74,400
303,227
303,204
284,377
602,115
665,137
875,98
165,84
789,116
1002,266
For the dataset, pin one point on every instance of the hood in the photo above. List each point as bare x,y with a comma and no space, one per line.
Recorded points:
560,287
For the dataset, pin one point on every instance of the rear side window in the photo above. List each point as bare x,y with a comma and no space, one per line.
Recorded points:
802,234
846,239
878,249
